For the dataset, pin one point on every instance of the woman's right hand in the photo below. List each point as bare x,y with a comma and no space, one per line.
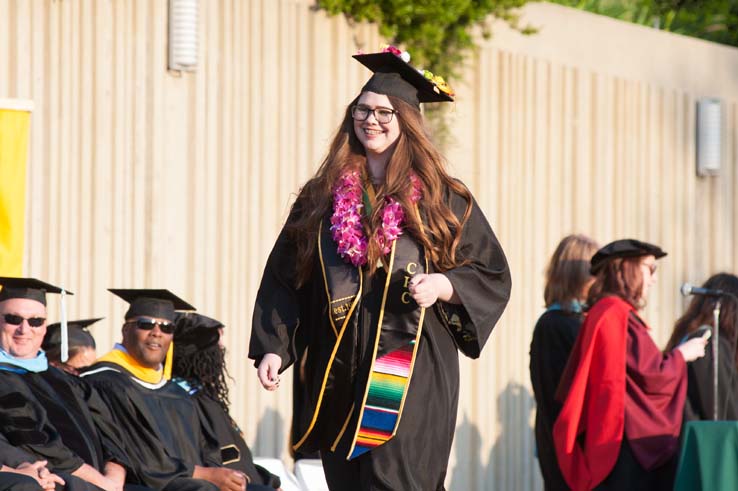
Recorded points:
268,371
693,349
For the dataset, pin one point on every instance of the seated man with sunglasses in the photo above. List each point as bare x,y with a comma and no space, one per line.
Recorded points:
162,433
44,413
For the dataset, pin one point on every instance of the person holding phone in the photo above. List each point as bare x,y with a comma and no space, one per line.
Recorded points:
699,317
623,398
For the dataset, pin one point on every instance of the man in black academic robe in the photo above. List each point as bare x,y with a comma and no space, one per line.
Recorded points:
43,411
159,421
20,471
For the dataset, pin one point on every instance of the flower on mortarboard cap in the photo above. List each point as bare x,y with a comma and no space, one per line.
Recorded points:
393,75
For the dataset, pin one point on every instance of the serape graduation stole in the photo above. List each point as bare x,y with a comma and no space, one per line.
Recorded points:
399,327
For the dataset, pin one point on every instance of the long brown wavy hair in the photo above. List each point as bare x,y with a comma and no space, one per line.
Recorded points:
700,310
439,231
621,277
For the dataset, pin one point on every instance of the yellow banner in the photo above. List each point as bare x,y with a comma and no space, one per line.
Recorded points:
14,134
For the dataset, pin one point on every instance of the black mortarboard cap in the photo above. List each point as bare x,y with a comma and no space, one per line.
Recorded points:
195,332
151,302
393,76
29,288
78,334
623,248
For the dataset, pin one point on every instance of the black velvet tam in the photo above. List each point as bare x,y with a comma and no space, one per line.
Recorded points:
623,248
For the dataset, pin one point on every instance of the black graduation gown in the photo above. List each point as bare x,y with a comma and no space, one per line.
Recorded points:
10,481
56,417
160,429
553,339
11,455
700,385
416,458
234,452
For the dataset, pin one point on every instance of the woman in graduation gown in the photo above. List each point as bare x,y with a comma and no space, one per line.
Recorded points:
385,268
567,283
622,397
199,368
700,386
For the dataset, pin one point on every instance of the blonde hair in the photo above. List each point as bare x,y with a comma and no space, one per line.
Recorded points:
567,273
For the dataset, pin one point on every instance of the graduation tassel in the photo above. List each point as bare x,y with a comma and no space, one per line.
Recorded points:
64,328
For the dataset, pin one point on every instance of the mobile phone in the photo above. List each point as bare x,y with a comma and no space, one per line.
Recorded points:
704,331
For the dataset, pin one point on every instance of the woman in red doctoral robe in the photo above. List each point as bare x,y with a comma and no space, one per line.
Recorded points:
622,397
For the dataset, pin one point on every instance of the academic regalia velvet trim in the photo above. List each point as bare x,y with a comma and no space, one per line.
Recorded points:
56,417
617,384
11,455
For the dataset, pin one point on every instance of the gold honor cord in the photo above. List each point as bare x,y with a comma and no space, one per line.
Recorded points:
325,280
333,353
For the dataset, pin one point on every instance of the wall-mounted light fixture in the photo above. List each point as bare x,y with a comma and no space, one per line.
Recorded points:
183,34
709,136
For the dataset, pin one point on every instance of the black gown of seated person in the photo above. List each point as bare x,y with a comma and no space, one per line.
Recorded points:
234,452
54,416
160,426
10,481
13,457
285,317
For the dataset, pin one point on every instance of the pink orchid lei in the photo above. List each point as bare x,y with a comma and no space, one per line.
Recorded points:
346,228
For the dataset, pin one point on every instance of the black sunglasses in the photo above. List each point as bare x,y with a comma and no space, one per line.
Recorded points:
17,320
149,324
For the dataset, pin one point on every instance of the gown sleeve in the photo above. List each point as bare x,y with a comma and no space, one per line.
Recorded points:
12,456
656,391
276,311
150,461
483,284
25,425
109,433
209,442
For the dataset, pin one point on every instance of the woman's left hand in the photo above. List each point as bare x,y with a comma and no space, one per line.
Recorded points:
426,289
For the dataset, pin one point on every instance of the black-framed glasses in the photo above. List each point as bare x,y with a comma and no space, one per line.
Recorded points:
383,115
146,324
17,320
